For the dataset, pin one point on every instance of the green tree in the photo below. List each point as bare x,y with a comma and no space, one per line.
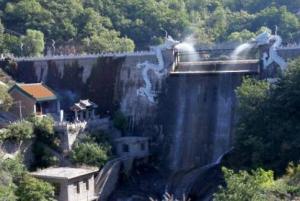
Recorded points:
43,126
19,131
33,43
12,44
11,171
6,100
287,22
32,189
7,187
244,186
26,14
89,153
14,167
242,36
259,185
108,41
267,134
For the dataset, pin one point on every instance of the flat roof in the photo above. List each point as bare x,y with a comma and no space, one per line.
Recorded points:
63,172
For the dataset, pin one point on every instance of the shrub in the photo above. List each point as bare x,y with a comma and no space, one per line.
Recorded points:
32,189
89,153
6,99
15,167
7,187
43,126
259,185
19,131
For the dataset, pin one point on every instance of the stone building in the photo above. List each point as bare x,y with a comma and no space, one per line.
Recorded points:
71,184
135,147
35,98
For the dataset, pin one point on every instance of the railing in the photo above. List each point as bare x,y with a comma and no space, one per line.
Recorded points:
210,55
86,56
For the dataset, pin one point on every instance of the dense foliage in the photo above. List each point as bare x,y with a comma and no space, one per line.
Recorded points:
6,100
259,185
32,189
19,131
17,184
43,127
268,132
90,153
119,25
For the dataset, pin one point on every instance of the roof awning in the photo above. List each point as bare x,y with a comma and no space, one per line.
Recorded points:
84,105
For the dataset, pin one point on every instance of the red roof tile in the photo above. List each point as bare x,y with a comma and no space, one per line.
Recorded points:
37,91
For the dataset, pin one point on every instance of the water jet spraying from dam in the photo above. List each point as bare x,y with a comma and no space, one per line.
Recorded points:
187,47
241,51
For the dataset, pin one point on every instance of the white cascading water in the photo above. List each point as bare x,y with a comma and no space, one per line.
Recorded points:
188,48
242,49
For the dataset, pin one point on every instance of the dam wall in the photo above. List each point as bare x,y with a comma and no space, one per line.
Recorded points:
188,117
198,114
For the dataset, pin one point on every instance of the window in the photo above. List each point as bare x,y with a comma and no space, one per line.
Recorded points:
143,146
87,185
78,187
125,148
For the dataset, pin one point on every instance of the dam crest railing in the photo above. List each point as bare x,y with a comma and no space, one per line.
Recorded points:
85,56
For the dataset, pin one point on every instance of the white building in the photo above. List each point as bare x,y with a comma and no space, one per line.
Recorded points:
71,184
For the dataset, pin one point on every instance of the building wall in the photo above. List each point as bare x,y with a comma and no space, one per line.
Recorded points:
84,195
27,104
135,148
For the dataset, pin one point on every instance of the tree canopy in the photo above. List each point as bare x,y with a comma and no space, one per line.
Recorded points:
17,184
259,185
267,133
123,25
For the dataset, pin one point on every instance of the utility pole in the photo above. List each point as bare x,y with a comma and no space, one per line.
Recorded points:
20,110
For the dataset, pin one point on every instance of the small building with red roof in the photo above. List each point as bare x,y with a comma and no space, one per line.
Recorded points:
34,98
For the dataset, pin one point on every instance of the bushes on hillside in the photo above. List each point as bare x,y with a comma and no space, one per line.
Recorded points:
17,184
31,189
43,126
259,185
89,153
5,98
7,187
19,131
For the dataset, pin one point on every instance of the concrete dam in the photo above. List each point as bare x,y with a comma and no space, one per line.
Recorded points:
187,109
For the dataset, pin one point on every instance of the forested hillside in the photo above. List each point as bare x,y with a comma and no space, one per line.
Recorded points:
124,25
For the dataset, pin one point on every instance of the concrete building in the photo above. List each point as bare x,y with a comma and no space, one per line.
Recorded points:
34,98
136,147
71,184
